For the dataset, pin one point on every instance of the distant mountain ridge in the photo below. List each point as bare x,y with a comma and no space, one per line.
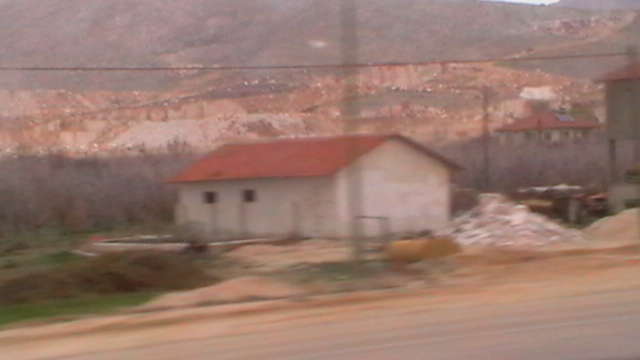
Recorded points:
247,32
600,4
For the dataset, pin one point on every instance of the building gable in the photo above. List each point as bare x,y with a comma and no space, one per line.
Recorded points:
549,120
305,157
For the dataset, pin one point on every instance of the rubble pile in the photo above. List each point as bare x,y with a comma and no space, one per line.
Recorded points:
497,221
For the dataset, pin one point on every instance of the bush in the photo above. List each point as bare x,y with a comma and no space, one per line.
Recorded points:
9,246
632,203
414,250
9,264
119,273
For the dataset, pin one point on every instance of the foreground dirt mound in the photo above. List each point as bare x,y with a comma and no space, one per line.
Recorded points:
622,227
273,257
240,289
497,221
109,274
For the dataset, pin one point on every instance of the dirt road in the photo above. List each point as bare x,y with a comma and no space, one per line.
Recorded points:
597,326
589,315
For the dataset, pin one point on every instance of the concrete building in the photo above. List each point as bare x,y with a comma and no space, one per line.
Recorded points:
302,187
547,125
622,88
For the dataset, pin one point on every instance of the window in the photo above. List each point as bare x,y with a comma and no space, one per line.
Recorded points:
249,196
564,118
210,197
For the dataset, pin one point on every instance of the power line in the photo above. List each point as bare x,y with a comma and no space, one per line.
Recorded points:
303,67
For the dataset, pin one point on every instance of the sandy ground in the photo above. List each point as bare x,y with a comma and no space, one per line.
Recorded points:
501,282
477,276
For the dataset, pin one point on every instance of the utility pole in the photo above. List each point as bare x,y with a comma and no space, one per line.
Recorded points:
484,182
350,112
632,57
486,140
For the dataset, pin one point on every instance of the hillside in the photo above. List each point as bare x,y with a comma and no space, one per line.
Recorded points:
609,41
600,4
80,111
146,33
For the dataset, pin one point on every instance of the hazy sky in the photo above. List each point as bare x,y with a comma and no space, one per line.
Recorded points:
530,1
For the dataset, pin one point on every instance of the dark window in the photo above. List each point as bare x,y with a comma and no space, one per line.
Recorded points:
564,117
210,197
249,196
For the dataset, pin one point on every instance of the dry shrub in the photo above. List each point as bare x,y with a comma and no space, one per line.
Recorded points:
437,248
118,273
410,251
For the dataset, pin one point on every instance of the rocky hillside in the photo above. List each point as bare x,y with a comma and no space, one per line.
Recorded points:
429,103
83,111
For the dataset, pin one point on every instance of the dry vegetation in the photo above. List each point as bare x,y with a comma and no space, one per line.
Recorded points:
102,194
89,194
513,166
122,273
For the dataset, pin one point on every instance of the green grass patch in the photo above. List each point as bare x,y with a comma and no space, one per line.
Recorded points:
57,238
70,308
506,64
58,258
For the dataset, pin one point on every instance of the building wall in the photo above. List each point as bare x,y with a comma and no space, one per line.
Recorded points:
623,106
623,125
396,182
619,193
282,207
400,183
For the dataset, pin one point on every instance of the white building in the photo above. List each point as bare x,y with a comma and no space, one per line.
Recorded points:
305,186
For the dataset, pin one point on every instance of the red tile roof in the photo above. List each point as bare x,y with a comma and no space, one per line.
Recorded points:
300,157
628,72
548,120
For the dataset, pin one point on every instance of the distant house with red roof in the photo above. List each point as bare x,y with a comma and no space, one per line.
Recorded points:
303,186
547,125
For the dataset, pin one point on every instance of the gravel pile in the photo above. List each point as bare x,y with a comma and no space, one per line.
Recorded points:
497,221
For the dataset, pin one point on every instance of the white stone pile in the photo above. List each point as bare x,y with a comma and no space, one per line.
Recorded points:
497,221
